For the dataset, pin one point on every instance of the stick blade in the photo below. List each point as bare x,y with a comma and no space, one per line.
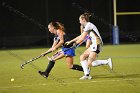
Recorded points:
22,66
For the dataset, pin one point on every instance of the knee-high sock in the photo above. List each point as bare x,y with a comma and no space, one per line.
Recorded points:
85,67
49,67
77,67
99,62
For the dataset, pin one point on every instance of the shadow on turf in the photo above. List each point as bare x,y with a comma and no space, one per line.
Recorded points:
124,76
118,76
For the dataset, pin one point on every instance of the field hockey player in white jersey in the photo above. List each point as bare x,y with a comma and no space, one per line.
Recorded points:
88,58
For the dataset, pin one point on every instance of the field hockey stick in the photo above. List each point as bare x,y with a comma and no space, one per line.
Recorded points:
33,59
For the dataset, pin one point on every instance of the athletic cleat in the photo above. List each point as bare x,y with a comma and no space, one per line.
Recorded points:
89,77
43,74
110,63
86,77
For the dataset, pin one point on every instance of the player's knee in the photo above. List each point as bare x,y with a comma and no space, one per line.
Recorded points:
89,64
82,57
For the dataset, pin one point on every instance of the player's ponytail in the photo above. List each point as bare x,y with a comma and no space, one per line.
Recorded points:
61,26
57,25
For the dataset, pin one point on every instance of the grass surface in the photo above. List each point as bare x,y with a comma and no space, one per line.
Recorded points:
125,78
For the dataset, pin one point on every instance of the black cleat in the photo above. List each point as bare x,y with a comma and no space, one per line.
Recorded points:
43,74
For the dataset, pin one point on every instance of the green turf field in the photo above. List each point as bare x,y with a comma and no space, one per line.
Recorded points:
125,78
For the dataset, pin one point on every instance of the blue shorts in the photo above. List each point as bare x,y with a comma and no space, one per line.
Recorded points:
68,51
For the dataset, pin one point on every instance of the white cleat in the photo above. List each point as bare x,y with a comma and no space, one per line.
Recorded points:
86,77
89,77
110,63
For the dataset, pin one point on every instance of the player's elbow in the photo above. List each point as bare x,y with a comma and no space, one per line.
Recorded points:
61,42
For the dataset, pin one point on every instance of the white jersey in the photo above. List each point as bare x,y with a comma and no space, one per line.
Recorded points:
94,34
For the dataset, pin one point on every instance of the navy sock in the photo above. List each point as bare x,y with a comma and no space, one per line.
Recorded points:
49,67
77,67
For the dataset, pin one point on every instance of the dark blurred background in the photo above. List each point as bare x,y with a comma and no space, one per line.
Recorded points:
23,23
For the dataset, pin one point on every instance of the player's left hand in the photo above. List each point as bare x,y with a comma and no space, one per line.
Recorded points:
53,49
67,43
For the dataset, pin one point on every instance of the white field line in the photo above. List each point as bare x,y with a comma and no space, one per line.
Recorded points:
69,83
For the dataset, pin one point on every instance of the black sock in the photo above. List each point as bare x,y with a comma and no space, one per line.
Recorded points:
77,67
49,67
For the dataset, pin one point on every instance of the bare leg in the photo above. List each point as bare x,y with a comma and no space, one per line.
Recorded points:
91,58
51,65
70,64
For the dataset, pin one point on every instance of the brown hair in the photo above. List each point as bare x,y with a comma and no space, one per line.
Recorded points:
57,25
85,16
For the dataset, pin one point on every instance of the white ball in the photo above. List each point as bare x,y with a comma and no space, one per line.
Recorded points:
12,79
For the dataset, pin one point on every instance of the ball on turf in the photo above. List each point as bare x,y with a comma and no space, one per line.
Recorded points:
12,79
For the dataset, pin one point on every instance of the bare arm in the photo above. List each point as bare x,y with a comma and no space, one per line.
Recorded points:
58,44
82,37
73,40
81,29
49,50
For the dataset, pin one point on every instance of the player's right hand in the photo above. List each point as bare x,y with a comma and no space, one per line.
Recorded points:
43,54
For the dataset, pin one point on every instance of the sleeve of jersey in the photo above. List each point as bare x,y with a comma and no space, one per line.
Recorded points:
87,28
56,39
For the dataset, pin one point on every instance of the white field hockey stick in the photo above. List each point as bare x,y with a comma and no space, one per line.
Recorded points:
33,59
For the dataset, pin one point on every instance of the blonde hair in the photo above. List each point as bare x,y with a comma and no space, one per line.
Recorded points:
86,16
